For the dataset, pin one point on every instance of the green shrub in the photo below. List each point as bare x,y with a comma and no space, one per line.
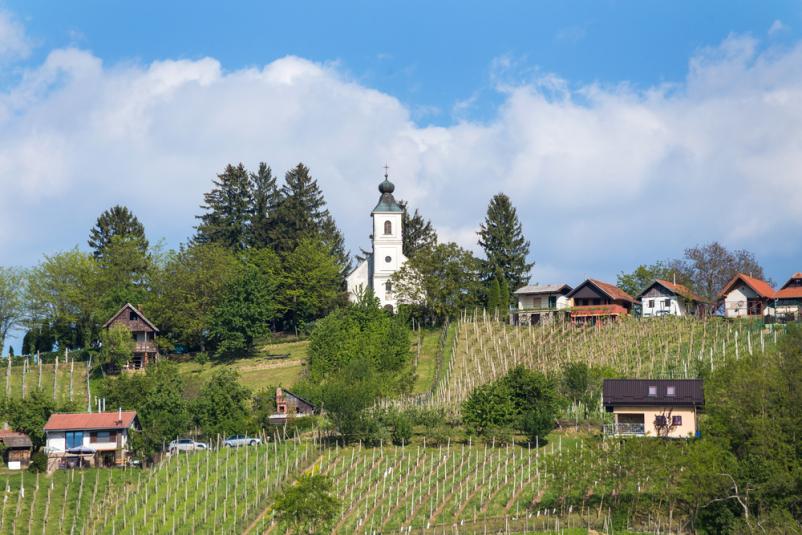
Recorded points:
38,462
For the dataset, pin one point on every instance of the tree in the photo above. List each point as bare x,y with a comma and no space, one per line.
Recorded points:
122,276
418,232
493,294
117,222
308,506
187,290
637,281
12,305
266,197
247,307
712,265
501,236
443,280
489,406
116,346
29,415
223,407
228,209
311,286
347,395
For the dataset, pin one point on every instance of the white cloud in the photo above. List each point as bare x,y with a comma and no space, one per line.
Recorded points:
14,43
603,177
777,27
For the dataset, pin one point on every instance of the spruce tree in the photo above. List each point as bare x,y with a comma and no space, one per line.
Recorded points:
117,221
227,207
501,236
418,232
493,295
266,197
504,295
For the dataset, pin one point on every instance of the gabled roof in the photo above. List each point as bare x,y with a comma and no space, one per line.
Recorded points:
610,290
542,289
140,314
79,421
299,398
676,289
760,287
14,439
636,392
790,290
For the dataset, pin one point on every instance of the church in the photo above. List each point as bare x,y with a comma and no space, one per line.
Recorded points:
386,255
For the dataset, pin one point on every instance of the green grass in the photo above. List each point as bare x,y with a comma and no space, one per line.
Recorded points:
54,381
427,359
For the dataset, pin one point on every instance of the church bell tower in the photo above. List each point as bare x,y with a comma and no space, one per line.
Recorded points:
388,256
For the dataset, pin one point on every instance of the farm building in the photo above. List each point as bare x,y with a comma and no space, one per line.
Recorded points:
538,304
745,296
87,438
653,407
594,300
289,405
143,331
16,448
664,298
788,299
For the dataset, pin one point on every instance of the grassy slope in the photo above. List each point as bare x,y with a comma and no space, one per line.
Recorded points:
62,375
426,359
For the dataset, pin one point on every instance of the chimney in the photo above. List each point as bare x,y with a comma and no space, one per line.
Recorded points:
119,415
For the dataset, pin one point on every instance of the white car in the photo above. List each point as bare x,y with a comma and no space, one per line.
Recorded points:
236,441
186,444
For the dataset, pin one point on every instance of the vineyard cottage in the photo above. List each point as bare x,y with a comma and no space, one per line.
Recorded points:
289,405
94,439
788,299
538,304
594,300
653,407
143,331
745,296
664,298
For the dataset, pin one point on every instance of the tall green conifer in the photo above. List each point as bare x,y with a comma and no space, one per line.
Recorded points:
501,236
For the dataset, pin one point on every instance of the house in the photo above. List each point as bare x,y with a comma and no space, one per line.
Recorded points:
143,331
386,256
16,449
788,299
745,296
539,303
92,438
653,407
594,300
289,405
664,298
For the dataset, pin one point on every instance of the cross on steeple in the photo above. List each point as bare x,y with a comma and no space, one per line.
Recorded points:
386,169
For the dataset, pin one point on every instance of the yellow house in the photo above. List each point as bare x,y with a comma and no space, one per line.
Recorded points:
654,407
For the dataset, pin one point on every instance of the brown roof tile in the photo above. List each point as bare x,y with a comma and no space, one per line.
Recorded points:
760,287
612,290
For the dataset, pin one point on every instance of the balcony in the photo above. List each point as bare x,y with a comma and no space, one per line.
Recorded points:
625,430
597,310
145,347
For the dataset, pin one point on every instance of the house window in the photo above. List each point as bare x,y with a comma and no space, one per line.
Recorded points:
660,420
388,227
652,391
132,316
671,390
676,420
74,439
103,436
388,286
667,303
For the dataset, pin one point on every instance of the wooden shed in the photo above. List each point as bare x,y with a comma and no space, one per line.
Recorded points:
18,447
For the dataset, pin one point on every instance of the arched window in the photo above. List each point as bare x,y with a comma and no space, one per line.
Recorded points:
388,286
388,227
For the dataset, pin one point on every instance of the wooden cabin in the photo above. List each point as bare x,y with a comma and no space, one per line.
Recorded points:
538,304
89,438
594,301
665,298
744,296
289,405
17,449
654,407
143,331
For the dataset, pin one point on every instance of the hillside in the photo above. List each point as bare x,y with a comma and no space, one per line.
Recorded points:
63,379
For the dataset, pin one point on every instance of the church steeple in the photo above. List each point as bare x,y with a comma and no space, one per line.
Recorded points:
387,202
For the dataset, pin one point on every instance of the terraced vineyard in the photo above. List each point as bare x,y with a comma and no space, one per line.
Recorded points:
63,378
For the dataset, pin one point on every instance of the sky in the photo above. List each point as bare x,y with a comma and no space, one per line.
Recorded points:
623,132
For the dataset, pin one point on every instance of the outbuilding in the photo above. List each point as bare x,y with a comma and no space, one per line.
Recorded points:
17,449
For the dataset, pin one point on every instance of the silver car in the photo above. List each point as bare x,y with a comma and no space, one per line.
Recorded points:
236,441
186,444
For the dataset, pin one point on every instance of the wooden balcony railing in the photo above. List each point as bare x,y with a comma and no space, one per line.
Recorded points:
625,429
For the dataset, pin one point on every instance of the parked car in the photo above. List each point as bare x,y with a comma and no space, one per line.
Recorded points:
236,441
186,444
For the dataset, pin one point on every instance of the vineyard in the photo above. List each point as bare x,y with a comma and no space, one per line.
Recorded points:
62,377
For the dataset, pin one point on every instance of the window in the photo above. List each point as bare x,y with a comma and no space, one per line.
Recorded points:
388,286
597,301
676,420
667,303
653,391
74,439
671,390
651,303
388,259
132,316
388,227
103,436
660,420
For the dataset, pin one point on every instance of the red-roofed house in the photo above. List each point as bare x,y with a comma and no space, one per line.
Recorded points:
101,438
594,300
788,299
143,331
745,296
664,298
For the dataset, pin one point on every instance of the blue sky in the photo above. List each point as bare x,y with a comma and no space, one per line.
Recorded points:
623,131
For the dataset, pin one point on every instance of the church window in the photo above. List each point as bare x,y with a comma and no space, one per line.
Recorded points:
388,227
388,286
387,259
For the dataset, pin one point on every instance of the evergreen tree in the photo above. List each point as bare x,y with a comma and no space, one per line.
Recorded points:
504,295
227,210
418,232
266,197
493,295
118,222
501,236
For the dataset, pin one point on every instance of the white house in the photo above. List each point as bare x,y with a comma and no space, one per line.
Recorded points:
745,296
101,438
386,256
788,299
665,298
538,303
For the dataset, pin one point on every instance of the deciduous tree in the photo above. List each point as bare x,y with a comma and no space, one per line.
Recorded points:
12,304
308,506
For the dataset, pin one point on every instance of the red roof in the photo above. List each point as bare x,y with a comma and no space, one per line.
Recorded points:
682,290
760,287
90,420
788,291
612,290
